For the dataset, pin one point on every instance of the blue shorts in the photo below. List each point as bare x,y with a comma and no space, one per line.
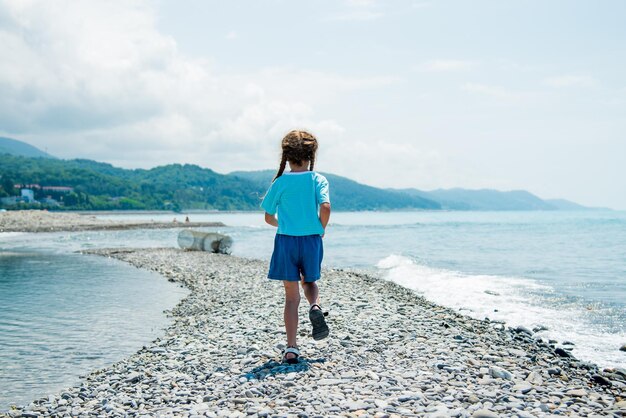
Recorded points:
294,255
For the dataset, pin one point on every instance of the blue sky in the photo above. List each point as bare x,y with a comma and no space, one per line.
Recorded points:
427,94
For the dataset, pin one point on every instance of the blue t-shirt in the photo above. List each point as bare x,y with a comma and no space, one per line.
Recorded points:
296,198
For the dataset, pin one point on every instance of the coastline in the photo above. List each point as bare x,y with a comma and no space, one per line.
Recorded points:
43,221
390,353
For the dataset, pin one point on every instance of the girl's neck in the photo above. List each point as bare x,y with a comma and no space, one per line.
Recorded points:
298,168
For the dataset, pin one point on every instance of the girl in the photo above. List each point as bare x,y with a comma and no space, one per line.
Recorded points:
300,199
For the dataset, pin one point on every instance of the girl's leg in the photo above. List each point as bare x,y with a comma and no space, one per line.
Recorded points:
311,292
292,300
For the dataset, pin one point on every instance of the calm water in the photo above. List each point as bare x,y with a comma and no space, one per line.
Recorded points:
66,314
563,270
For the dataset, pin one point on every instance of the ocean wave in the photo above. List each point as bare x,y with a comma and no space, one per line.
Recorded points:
11,234
515,301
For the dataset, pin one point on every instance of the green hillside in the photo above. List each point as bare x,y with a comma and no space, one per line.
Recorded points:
100,186
15,147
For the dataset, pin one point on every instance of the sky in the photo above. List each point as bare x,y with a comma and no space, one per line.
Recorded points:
520,94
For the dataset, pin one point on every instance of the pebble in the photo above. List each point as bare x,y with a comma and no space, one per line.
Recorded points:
381,403
523,330
576,392
562,352
484,413
395,355
499,373
522,387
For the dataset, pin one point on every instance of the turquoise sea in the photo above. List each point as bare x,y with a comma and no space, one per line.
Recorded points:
64,314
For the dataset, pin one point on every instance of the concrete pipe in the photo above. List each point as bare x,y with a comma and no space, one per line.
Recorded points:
204,241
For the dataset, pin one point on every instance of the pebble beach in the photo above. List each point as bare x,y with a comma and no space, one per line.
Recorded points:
391,353
44,221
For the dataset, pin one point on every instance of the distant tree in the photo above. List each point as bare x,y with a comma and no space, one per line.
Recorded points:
7,184
71,199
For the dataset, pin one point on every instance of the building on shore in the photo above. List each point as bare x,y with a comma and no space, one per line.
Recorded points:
28,195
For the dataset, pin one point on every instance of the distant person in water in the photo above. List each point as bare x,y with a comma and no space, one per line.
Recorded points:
187,219
300,199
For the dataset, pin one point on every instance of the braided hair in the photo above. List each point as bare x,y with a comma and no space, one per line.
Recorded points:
297,146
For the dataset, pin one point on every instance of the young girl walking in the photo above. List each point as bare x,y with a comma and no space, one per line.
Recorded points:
301,201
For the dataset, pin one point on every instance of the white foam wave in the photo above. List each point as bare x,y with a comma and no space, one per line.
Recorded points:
5,235
514,300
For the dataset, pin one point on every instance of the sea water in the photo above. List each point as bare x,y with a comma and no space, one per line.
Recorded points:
64,314
565,271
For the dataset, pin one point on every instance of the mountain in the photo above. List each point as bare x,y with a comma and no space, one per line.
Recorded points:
15,147
347,194
92,185
562,204
101,186
487,199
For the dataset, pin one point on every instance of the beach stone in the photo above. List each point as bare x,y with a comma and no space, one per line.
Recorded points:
623,347
523,330
329,382
576,392
601,380
561,352
522,387
133,377
484,413
358,405
534,378
518,353
382,404
499,373
473,398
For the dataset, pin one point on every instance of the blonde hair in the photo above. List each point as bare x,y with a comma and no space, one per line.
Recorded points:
297,146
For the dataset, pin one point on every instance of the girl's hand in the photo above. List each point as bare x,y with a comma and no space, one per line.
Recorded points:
271,219
324,214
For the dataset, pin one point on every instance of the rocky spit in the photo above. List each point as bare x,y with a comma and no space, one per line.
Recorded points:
391,353
44,221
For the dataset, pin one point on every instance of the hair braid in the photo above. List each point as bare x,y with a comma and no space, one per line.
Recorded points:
281,168
312,163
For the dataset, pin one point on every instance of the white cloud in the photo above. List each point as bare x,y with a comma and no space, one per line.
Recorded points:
232,35
357,10
355,15
99,75
497,92
413,164
421,4
446,65
361,3
570,80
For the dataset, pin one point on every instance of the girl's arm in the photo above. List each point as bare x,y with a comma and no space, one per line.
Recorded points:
271,219
324,214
